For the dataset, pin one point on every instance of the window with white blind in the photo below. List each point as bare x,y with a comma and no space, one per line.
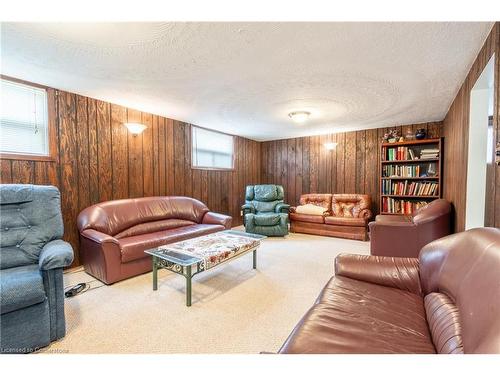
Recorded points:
23,120
211,150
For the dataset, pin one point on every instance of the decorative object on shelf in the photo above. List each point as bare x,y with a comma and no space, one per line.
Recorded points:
401,139
420,134
409,135
391,136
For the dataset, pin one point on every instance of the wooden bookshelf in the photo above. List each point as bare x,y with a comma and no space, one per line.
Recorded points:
407,181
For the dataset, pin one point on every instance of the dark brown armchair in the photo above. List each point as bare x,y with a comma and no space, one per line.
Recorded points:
404,236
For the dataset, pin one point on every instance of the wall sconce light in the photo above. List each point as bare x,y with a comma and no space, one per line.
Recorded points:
330,146
135,128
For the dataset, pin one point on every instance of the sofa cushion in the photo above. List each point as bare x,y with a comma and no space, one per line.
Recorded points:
310,209
132,248
352,316
307,218
153,226
30,216
322,200
21,287
347,221
113,217
267,220
266,193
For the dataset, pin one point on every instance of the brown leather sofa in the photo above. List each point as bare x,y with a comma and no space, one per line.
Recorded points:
347,216
447,301
114,234
404,236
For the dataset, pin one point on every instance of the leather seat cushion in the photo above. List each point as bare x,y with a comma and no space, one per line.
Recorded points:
267,220
132,248
307,218
348,221
21,287
352,316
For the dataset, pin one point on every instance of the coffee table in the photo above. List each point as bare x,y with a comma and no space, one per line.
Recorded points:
196,255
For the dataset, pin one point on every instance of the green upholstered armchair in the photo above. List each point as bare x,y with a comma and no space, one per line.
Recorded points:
264,211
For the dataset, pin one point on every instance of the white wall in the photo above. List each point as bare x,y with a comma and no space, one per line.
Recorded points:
480,99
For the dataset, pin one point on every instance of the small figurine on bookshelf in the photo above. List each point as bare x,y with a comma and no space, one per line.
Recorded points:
420,134
391,136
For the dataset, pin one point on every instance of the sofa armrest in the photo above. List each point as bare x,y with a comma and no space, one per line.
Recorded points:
98,237
220,219
394,272
282,208
247,208
366,214
55,254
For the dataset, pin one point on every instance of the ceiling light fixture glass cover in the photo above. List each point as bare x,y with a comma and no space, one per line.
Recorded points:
299,116
135,128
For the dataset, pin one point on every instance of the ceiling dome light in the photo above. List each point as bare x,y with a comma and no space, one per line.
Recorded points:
135,128
299,116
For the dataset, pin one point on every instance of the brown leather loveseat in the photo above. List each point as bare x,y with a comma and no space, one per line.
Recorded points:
346,216
404,236
447,301
114,234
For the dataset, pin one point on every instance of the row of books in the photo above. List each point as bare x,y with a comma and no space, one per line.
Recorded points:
401,170
390,187
406,153
400,206
429,153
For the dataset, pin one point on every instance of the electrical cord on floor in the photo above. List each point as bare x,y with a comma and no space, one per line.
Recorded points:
80,288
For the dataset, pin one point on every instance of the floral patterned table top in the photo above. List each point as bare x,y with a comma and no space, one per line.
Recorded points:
212,249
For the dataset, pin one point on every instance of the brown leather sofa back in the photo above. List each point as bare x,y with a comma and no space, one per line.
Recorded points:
351,205
321,200
114,217
404,236
463,271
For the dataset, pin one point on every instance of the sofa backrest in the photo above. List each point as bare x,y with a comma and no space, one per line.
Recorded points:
432,211
460,278
350,205
321,200
30,216
264,198
114,217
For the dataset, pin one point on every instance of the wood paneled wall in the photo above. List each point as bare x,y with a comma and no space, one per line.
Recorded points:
456,133
304,165
98,160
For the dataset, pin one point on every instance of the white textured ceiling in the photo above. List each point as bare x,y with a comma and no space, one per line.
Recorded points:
244,78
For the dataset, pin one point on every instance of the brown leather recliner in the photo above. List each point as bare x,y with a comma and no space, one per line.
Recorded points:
404,236
347,216
114,234
447,301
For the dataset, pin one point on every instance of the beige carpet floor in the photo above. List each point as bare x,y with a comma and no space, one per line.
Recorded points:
235,309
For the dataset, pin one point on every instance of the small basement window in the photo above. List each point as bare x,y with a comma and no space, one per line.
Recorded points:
211,149
24,130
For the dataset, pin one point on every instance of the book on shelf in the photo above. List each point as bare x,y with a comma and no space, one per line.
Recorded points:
429,153
406,153
401,170
426,188
401,206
